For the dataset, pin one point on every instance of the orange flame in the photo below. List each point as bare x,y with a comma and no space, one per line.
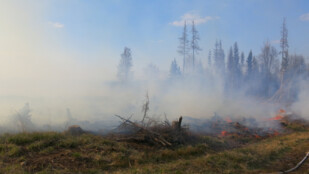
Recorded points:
279,115
223,133
276,133
227,119
281,111
257,136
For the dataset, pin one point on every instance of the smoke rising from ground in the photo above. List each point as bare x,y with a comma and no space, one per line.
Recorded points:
191,96
64,87
301,105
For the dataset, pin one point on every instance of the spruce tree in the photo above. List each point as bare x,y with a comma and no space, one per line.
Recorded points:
219,58
125,64
209,59
242,59
194,44
183,47
249,65
174,69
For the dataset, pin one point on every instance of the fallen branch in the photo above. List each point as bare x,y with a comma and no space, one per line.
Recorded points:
154,136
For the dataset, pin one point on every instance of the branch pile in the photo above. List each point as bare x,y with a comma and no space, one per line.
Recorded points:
152,132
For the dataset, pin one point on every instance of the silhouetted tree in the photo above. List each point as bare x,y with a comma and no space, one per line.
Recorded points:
219,58
268,58
236,66
174,69
230,62
194,44
125,64
184,46
242,59
231,71
209,59
255,66
249,65
284,50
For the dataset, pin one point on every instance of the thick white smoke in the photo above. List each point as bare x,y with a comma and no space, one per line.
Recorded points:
301,105
63,87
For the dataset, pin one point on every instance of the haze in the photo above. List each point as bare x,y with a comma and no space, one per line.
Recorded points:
62,56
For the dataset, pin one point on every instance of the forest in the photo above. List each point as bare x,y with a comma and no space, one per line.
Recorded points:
271,75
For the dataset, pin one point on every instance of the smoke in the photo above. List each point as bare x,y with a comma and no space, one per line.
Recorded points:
300,107
63,87
193,96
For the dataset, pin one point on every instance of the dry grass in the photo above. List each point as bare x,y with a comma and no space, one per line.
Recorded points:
52,152
271,155
57,152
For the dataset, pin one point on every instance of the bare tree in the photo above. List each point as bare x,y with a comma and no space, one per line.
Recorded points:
267,57
284,50
145,108
297,66
183,47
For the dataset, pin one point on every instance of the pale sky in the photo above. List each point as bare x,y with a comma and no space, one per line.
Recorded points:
97,31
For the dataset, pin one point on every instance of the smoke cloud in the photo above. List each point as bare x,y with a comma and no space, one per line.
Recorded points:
46,86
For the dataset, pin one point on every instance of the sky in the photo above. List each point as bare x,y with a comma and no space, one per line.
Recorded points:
151,29
63,49
98,30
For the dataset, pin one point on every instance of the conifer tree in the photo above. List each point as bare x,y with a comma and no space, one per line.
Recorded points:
219,58
184,46
209,59
194,44
125,64
242,59
174,69
249,65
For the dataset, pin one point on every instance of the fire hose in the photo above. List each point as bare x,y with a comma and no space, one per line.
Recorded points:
297,166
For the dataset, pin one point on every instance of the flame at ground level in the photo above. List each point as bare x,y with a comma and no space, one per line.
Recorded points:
224,133
279,116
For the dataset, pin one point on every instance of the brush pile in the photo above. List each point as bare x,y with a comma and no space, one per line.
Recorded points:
151,132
